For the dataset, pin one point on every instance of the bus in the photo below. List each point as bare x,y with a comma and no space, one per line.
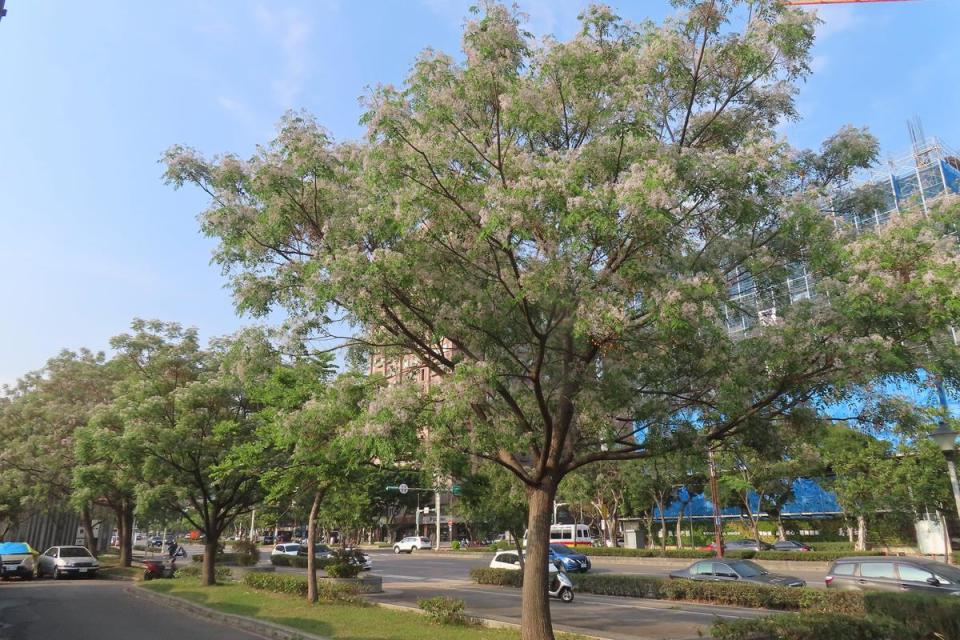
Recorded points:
572,535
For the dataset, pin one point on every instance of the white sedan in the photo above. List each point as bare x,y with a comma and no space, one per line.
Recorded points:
286,549
511,560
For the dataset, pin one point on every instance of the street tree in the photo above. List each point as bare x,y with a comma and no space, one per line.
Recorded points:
554,226
320,465
493,498
191,411
38,427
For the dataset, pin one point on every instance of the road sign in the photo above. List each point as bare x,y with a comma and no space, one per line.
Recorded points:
403,489
455,490
426,509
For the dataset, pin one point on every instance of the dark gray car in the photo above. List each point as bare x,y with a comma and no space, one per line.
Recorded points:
735,571
878,573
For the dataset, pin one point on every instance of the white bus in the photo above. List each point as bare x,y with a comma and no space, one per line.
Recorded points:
572,535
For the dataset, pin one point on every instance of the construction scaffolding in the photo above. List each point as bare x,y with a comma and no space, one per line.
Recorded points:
917,179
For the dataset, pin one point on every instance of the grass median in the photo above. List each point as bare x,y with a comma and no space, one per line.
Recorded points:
332,620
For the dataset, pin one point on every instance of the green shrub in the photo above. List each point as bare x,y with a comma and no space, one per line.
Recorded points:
280,560
743,594
928,616
811,626
225,558
194,571
455,545
501,545
247,552
444,610
342,570
499,577
612,584
327,590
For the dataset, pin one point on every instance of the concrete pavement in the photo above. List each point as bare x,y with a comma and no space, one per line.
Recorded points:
96,610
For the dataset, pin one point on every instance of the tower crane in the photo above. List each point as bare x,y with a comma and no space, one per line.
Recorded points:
797,3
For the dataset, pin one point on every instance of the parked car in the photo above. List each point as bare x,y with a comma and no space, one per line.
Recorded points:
790,545
59,562
735,571
267,538
511,560
155,541
569,558
319,551
747,544
411,544
19,559
286,549
876,573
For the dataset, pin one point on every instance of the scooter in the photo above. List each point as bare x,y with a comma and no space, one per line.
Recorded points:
159,569
560,586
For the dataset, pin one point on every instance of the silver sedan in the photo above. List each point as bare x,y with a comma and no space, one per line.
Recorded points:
60,562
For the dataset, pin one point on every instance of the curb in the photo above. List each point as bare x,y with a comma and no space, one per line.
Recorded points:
265,629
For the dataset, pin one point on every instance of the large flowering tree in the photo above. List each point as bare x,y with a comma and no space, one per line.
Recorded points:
568,216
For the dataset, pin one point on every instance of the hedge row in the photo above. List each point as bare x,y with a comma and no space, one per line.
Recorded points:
802,556
300,562
498,577
221,573
737,594
811,626
889,616
239,559
327,590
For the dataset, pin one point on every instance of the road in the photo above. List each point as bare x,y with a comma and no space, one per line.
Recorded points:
96,610
407,578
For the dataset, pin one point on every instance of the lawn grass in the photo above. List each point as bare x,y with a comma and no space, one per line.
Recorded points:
344,621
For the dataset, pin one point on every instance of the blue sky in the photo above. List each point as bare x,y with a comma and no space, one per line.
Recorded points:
93,92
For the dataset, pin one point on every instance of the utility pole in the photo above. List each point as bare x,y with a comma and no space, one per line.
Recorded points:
437,505
253,520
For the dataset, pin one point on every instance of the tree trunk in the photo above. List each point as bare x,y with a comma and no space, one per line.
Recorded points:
649,523
125,529
663,526
311,546
535,621
781,532
861,534
680,527
87,523
209,575
515,535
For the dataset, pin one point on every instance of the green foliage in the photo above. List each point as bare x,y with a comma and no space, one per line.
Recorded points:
342,570
743,594
812,626
611,584
500,577
239,559
444,610
194,571
327,591
455,545
247,552
926,616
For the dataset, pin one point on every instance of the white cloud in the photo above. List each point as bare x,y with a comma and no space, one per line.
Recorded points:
838,20
819,62
290,30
